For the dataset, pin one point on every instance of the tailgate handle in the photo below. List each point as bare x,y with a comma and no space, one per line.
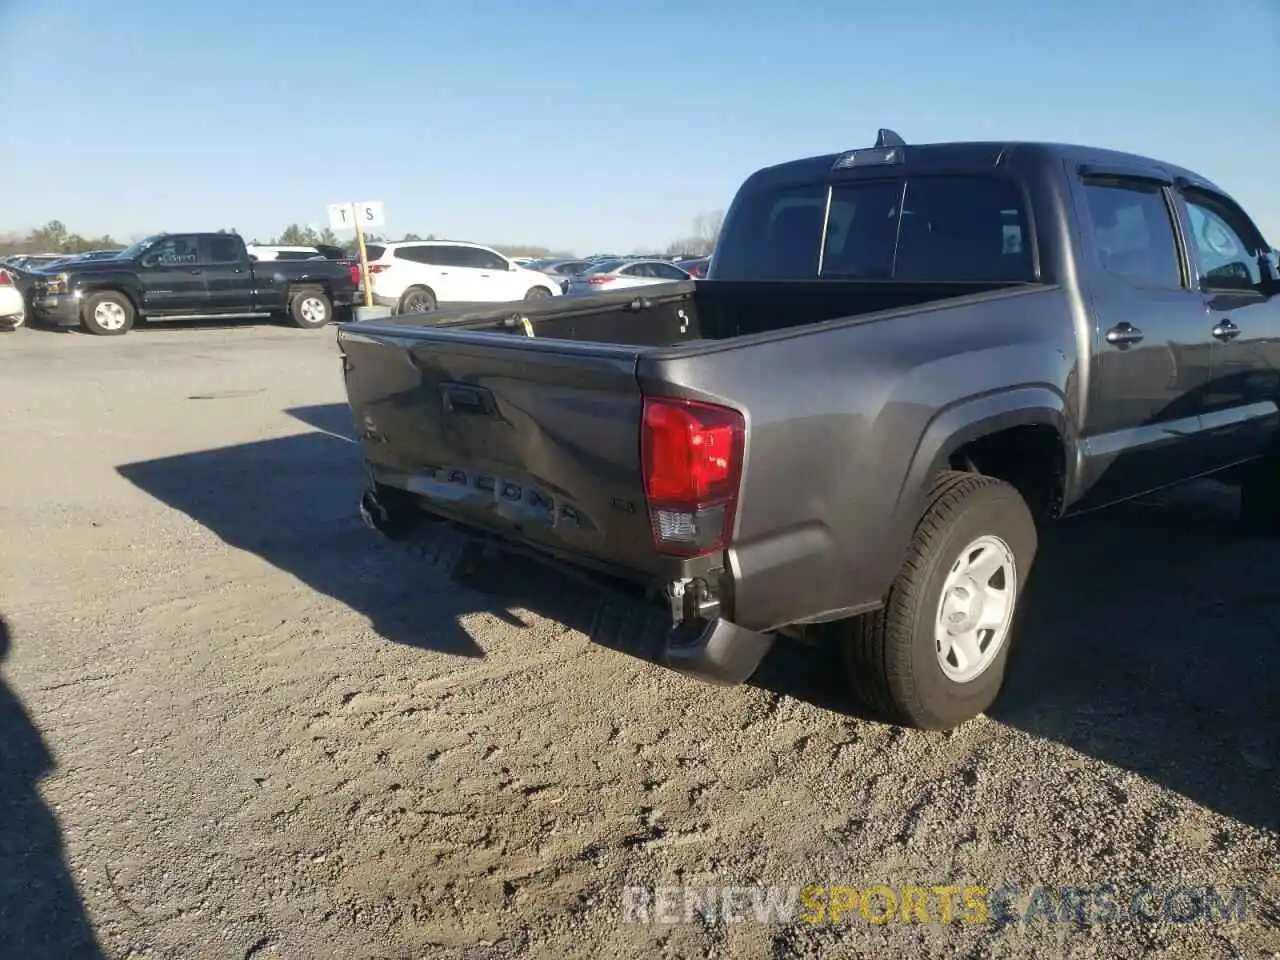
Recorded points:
465,398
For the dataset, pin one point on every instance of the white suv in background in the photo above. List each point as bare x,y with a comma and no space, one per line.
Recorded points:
414,276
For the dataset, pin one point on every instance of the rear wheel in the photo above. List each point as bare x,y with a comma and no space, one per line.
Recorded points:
16,321
108,314
417,300
935,655
310,309
537,293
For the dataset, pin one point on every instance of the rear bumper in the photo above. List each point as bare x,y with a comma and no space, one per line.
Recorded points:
715,651
59,310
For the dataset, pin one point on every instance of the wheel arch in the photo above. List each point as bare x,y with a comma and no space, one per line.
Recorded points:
956,431
92,290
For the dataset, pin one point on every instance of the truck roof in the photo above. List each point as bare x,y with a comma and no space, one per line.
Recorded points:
979,153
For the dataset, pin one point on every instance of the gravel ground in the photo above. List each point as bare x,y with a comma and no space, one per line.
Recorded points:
234,723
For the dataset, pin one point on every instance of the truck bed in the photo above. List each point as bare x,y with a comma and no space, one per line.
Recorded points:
537,439
675,313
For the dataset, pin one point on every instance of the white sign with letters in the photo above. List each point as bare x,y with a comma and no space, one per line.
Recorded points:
344,216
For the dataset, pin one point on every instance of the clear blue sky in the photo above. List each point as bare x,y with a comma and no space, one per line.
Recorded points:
587,125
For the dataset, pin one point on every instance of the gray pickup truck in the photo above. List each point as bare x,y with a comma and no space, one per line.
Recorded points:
904,359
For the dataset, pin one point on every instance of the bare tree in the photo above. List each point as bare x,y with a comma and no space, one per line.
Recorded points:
706,230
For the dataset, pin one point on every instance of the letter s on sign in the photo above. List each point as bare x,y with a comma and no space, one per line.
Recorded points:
813,899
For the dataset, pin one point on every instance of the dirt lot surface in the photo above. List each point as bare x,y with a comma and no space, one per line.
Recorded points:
234,723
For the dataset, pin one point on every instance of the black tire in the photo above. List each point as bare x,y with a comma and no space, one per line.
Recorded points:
310,309
892,655
1260,497
417,300
108,314
538,293
16,321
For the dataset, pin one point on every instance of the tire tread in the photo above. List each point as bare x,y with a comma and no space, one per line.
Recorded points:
881,681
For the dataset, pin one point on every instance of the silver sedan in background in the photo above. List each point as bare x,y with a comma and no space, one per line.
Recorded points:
609,275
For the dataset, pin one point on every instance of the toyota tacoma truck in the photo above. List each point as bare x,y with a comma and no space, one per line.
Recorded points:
904,360
188,276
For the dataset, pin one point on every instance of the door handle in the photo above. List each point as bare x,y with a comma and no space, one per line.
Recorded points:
1123,334
1225,331
195,272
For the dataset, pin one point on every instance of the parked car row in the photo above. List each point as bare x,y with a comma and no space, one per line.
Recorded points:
627,270
410,276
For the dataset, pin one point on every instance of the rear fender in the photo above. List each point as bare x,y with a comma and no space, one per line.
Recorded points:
966,421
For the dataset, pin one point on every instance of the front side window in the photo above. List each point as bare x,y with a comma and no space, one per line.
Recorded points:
1226,259
175,251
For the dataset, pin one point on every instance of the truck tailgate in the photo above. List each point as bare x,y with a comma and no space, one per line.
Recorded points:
536,440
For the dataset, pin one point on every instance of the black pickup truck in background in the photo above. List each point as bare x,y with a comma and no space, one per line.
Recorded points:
904,360
186,276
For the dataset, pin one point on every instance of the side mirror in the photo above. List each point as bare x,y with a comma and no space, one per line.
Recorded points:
512,266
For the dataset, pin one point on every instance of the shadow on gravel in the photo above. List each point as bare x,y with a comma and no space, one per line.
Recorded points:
1150,641
332,418
41,915
293,501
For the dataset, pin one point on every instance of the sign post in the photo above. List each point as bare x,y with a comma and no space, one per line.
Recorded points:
357,216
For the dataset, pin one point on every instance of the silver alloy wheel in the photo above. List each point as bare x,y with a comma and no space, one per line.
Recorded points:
975,610
109,316
312,310
418,303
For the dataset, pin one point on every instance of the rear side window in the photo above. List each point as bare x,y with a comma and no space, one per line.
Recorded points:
1133,232
430,255
222,250
665,271
927,228
374,251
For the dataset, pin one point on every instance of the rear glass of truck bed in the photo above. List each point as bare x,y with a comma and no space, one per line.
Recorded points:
952,228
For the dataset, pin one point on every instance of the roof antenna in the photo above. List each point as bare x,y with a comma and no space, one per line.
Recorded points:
887,138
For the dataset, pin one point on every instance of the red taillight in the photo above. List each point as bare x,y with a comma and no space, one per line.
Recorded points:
599,279
376,268
692,458
355,274
5,279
